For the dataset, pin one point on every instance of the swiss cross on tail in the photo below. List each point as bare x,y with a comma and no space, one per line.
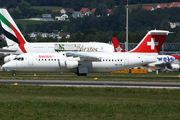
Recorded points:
152,42
117,45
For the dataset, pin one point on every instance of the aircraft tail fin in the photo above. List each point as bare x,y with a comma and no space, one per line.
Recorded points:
11,30
152,42
117,45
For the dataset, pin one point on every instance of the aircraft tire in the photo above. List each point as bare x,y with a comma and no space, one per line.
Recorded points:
13,74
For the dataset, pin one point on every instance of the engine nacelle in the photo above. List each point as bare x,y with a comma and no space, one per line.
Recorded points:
175,67
68,64
9,58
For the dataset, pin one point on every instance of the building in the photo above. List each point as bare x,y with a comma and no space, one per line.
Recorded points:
160,6
77,14
46,17
68,11
62,17
85,11
148,8
174,4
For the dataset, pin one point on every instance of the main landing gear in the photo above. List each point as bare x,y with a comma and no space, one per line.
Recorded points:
82,71
13,74
81,74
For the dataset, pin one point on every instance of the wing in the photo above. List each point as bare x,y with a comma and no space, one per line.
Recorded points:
83,56
6,50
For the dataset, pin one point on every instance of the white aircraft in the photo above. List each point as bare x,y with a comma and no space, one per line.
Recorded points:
18,45
81,63
163,62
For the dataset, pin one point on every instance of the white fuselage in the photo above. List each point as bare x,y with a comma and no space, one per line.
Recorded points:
51,47
108,62
54,48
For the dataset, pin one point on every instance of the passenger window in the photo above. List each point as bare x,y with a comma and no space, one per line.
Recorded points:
51,59
54,59
22,59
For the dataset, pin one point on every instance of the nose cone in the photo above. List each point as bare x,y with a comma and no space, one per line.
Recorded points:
9,66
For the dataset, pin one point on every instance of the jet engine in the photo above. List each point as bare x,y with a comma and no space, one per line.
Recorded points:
9,58
174,67
68,64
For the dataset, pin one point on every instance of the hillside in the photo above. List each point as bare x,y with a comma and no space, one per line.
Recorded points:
140,21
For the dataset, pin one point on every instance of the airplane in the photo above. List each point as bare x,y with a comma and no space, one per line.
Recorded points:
17,44
83,62
163,62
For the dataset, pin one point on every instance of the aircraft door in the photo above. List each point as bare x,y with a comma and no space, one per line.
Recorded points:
30,60
126,60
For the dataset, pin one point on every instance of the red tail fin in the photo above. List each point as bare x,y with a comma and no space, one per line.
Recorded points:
152,42
117,45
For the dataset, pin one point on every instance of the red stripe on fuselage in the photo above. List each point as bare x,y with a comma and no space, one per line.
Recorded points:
20,38
176,56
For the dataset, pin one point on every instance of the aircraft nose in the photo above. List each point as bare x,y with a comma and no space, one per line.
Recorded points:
9,66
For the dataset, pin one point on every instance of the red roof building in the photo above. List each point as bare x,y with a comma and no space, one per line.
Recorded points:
174,4
84,10
130,10
161,6
148,8
58,10
109,10
93,10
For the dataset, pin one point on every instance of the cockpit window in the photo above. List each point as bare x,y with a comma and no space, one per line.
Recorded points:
15,58
19,58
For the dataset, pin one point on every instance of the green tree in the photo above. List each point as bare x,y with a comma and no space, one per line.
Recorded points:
16,14
120,9
24,7
26,36
30,28
101,9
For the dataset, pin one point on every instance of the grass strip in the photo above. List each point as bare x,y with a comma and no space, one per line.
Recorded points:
43,102
161,77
